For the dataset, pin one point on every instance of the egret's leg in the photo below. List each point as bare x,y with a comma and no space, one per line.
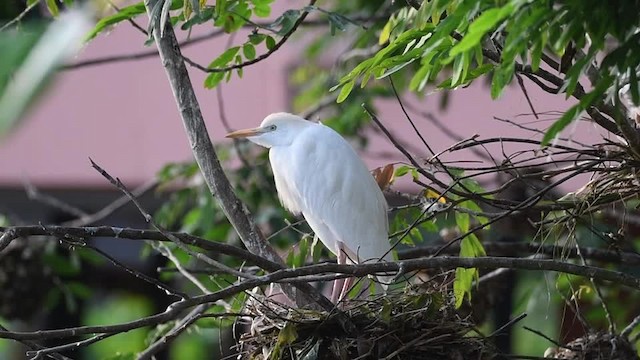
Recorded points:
346,287
338,284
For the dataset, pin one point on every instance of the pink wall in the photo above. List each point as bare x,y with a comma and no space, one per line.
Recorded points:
124,117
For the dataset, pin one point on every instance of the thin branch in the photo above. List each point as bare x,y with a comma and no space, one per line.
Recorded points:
519,248
20,16
167,289
359,270
526,95
34,194
148,218
166,252
33,346
629,328
178,328
36,354
12,233
112,207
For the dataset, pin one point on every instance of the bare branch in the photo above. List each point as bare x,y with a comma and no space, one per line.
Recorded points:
148,218
444,263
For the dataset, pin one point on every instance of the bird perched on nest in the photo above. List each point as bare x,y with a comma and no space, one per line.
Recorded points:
319,175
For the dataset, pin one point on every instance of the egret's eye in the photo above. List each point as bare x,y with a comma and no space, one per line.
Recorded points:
272,127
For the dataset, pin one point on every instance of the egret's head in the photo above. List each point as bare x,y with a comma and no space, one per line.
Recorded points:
279,129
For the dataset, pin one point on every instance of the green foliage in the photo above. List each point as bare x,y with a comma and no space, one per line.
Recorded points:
288,334
450,38
470,246
116,309
126,13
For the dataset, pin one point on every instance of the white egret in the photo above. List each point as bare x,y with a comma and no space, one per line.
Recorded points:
319,175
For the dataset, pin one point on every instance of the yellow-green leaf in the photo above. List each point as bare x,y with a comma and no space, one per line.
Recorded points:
53,7
384,35
345,91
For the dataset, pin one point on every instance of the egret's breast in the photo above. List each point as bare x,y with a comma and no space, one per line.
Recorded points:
283,169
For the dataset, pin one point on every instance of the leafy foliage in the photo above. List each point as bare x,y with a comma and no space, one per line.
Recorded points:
513,35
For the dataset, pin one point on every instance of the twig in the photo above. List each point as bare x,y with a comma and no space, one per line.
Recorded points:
32,345
526,95
34,194
5,239
516,248
508,325
15,232
130,20
20,16
629,328
148,218
542,335
72,346
178,328
167,289
169,255
112,207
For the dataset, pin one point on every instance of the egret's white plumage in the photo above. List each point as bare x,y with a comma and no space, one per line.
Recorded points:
319,175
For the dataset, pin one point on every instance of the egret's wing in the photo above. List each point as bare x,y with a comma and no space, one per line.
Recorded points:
334,187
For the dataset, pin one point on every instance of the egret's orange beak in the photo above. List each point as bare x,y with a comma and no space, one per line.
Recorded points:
245,133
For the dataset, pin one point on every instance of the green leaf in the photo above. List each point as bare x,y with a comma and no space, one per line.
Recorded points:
200,17
416,235
262,10
224,58
286,21
270,43
562,123
79,289
403,170
463,220
485,22
316,250
470,246
287,335
249,51
256,39
126,13
502,76
462,284
213,79
460,67
573,112
385,34
303,252
345,91
53,7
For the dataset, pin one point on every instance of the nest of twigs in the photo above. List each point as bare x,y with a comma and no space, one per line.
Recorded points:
409,325
599,346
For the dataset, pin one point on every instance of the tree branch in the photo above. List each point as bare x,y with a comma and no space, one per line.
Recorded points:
284,275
